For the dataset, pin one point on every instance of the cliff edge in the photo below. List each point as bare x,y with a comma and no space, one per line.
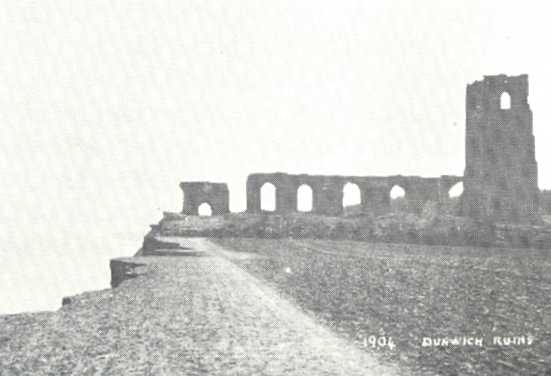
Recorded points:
186,310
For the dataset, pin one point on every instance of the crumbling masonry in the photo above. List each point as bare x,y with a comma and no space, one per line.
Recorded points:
216,195
501,173
500,182
327,191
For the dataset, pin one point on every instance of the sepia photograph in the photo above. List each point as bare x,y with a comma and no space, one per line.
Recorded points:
199,187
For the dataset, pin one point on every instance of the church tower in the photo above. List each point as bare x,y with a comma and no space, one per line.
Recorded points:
501,172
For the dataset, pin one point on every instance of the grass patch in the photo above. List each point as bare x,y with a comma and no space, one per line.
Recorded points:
409,292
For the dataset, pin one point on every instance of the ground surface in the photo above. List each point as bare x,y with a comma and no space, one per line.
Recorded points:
409,292
183,315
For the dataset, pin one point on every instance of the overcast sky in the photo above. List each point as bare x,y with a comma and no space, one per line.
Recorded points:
105,106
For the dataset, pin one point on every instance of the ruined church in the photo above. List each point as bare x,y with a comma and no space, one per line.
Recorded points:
500,179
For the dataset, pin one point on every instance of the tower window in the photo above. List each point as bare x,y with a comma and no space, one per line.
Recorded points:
505,101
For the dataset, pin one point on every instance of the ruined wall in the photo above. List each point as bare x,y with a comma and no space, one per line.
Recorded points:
545,202
197,193
122,269
327,191
501,178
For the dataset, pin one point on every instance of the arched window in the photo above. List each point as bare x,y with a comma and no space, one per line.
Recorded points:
505,101
304,198
268,197
456,190
398,201
351,195
205,210
397,192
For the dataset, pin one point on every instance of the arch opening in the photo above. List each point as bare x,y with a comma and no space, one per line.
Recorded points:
505,101
304,198
268,197
351,195
397,192
398,202
204,210
456,190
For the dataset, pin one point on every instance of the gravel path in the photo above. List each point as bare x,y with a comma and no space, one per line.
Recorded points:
415,292
185,315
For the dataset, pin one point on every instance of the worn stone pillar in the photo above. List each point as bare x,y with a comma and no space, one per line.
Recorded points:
286,194
329,197
376,199
419,191
253,194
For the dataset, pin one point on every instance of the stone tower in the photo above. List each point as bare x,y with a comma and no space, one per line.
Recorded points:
501,172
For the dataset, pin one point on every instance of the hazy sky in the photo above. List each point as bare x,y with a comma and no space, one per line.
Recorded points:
105,106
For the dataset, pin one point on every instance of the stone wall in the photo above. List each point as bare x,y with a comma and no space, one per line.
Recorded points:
123,269
500,181
216,195
545,202
327,191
